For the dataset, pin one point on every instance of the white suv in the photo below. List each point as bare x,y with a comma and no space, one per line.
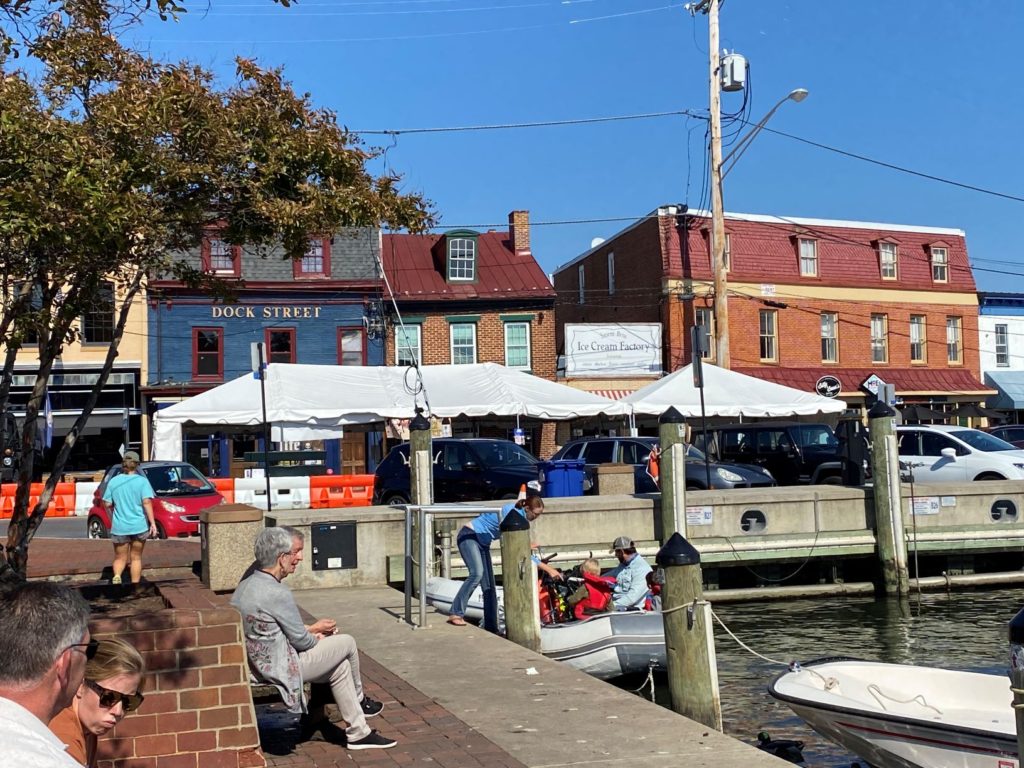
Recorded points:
939,453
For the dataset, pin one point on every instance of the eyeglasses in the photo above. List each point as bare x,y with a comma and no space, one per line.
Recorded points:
90,648
108,698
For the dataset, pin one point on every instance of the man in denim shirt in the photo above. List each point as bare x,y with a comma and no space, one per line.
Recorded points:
630,576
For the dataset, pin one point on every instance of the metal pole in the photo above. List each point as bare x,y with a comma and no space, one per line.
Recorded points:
426,521
266,424
408,564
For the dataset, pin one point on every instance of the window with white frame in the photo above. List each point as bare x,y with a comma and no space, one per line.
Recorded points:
704,317
222,256
940,265
769,340
954,341
461,258
517,346
808,257
407,345
312,261
918,339
611,273
1002,345
887,260
581,275
463,340
727,253
879,338
829,337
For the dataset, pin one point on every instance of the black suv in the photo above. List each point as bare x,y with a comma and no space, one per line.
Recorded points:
473,469
636,450
795,453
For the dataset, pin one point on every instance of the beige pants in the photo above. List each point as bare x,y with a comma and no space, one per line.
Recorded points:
335,660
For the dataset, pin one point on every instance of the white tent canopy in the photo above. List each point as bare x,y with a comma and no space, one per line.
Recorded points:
727,393
316,401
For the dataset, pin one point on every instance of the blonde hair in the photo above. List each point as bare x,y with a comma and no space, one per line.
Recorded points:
115,657
591,566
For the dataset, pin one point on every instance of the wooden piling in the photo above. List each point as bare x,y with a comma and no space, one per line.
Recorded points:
885,482
421,486
671,432
519,583
689,640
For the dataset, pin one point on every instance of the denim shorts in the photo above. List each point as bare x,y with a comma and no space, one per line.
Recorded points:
130,538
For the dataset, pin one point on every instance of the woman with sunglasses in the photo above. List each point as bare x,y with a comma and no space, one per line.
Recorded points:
111,689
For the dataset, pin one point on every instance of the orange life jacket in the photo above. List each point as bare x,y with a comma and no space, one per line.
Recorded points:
599,595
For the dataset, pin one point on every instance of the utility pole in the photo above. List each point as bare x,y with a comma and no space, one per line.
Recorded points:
721,307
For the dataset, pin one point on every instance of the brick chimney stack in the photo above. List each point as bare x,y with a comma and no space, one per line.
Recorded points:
519,232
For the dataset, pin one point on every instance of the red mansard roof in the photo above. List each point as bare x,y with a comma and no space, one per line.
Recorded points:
764,249
410,265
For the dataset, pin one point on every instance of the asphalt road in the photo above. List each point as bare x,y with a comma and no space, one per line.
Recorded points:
55,528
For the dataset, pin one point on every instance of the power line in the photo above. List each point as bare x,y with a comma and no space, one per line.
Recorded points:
535,124
894,167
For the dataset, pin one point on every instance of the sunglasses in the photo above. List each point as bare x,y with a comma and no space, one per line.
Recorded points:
90,648
109,699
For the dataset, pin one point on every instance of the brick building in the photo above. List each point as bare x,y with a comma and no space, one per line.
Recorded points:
807,298
324,308
473,297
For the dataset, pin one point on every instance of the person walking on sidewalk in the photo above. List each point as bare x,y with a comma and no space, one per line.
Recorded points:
44,645
284,652
129,502
474,542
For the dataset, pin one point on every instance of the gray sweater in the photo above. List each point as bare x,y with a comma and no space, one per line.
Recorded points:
274,635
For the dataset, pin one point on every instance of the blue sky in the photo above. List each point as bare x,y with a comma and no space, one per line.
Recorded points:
926,84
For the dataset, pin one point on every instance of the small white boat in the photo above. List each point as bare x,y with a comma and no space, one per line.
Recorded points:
606,645
905,716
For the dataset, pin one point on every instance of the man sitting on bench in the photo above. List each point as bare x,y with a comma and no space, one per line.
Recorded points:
284,652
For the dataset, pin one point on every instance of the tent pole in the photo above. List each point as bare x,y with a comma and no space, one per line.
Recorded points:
266,424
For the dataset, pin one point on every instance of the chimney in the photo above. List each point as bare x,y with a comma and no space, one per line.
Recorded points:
519,232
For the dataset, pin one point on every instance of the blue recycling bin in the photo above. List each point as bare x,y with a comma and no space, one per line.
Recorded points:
562,478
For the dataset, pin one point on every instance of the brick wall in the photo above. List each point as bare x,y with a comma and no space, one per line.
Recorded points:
490,337
638,281
198,711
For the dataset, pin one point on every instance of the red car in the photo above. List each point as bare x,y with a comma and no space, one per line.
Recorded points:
181,494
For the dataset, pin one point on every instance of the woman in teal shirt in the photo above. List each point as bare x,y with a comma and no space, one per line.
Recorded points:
128,498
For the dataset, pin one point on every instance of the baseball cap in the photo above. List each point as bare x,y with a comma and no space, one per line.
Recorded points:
623,542
133,456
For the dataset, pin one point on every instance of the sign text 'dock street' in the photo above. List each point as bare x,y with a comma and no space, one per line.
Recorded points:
294,313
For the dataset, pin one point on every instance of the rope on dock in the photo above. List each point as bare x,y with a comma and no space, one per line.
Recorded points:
743,645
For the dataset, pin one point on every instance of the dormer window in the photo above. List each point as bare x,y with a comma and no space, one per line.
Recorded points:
461,256
220,257
888,257
940,264
316,261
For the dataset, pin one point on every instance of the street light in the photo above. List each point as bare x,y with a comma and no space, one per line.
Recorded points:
718,172
797,95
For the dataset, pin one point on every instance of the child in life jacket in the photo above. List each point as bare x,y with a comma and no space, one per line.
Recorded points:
598,588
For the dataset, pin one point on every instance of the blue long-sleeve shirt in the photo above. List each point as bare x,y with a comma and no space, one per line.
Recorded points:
630,583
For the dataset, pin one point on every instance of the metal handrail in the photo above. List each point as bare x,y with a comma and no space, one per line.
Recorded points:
426,514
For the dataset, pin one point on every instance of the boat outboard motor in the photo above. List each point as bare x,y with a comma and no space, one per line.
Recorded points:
788,749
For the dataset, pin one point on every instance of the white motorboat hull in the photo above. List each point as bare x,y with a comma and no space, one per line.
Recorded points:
904,716
606,645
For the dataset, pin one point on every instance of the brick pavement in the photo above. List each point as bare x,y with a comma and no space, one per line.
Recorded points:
426,732
91,557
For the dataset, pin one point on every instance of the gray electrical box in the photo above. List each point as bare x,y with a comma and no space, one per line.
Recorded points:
333,545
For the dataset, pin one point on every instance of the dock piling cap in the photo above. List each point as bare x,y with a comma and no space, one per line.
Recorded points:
677,551
514,521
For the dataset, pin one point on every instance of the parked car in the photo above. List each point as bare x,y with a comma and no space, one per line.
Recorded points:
1011,433
636,450
796,453
470,469
942,453
182,492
